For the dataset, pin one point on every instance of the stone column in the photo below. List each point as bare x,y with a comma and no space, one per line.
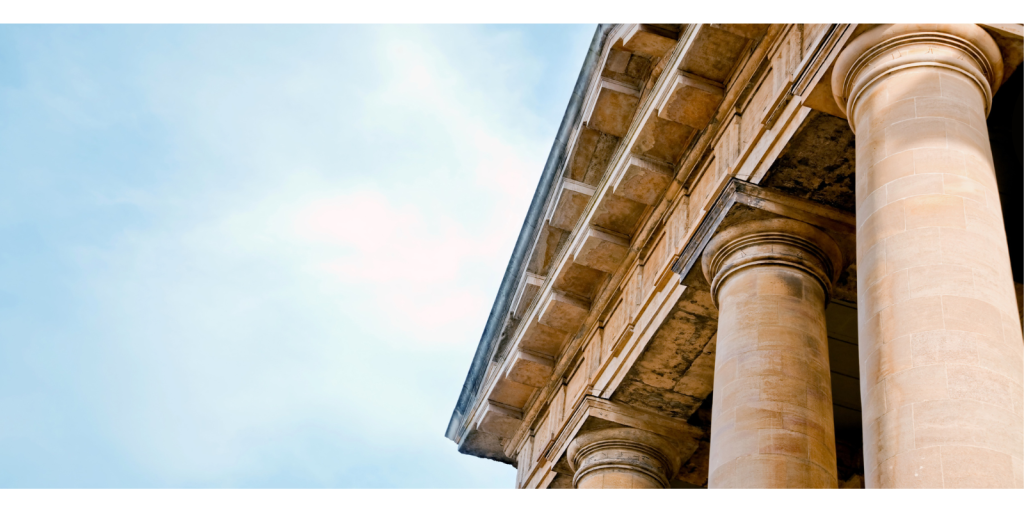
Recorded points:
941,356
771,419
622,458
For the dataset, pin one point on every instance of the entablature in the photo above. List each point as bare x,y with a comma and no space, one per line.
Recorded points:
718,108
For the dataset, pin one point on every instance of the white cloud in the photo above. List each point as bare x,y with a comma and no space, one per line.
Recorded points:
321,221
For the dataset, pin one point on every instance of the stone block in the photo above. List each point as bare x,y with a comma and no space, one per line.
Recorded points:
935,210
917,469
613,109
530,368
915,134
644,180
529,286
499,420
649,40
601,250
714,53
969,467
662,139
618,214
572,199
920,384
563,312
578,280
510,393
691,101
543,339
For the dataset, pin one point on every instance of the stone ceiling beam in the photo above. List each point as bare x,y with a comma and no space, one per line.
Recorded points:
649,40
568,206
611,110
692,101
499,419
563,312
530,368
601,250
644,181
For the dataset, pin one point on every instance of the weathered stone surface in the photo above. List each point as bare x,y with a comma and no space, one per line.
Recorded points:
543,339
579,280
662,139
717,51
660,379
613,109
591,155
563,312
618,214
499,419
692,102
650,40
573,197
601,250
549,239
531,369
644,181
818,163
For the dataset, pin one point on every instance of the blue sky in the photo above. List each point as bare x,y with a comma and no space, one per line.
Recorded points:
259,256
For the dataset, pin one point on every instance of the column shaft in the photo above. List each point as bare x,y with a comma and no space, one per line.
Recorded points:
772,424
941,355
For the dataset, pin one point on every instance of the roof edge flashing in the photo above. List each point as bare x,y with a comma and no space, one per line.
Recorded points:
516,264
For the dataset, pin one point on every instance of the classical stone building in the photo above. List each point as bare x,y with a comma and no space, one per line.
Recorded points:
768,256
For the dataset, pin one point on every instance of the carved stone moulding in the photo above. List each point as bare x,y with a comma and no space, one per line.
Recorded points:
623,458
888,49
778,242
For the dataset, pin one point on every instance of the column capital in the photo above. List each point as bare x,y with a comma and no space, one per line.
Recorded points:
628,450
778,242
887,49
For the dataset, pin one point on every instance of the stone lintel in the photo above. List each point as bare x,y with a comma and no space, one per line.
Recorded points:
572,199
530,368
644,180
499,419
767,204
601,250
563,312
594,412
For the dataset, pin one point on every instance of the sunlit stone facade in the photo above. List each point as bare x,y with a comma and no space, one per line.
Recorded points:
768,256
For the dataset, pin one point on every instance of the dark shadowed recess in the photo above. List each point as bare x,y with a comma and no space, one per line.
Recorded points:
1005,126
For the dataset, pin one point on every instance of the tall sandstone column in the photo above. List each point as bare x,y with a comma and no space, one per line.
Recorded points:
941,356
623,458
771,424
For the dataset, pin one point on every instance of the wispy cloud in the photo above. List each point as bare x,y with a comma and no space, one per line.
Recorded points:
271,250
